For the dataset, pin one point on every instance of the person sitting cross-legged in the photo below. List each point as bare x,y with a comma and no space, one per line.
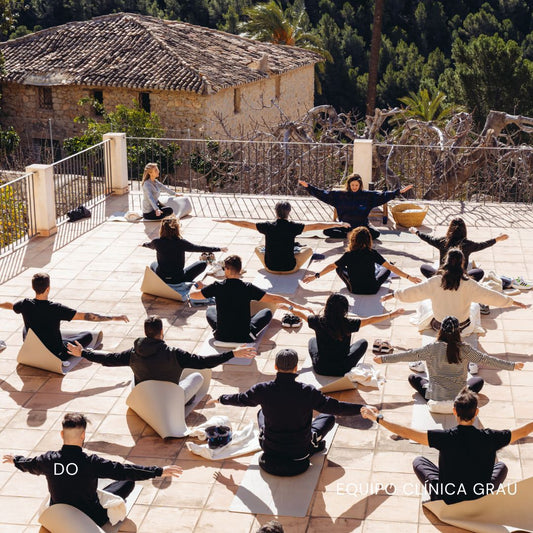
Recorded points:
279,256
467,467
231,318
151,358
72,475
44,318
331,351
288,433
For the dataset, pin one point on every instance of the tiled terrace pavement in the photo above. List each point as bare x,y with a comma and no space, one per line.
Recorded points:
98,267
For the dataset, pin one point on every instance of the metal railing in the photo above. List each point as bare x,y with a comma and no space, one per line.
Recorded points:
240,167
17,213
479,174
82,178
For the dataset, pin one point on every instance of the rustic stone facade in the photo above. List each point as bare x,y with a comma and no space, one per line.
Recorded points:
182,114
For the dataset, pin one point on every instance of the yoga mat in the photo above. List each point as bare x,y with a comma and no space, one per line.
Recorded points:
397,236
63,518
34,353
262,493
494,513
154,285
364,305
423,419
324,383
279,283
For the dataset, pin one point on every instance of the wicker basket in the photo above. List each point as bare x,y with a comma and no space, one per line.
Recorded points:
413,217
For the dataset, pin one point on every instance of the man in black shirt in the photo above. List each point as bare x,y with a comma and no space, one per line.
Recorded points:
279,239
151,358
44,317
288,433
72,475
231,318
467,455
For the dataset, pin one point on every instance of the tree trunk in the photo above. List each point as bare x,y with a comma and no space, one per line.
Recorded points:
374,57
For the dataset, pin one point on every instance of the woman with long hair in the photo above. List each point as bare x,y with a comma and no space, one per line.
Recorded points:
170,248
353,205
152,188
356,267
447,362
331,350
451,292
456,238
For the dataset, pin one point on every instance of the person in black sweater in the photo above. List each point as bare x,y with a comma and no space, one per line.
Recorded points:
356,267
288,433
44,318
456,238
353,205
152,359
331,351
72,475
279,256
170,248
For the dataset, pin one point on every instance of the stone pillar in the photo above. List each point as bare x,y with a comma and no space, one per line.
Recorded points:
42,202
362,160
118,162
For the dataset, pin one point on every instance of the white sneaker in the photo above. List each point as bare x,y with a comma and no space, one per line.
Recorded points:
473,368
417,366
66,363
521,283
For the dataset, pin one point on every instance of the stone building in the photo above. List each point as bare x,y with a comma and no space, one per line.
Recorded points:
190,76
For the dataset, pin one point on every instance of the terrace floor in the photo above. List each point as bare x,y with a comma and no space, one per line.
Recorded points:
98,266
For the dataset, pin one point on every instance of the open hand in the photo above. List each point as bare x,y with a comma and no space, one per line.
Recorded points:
309,278
245,352
9,459
74,349
389,296
415,279
303,183
518,366
212,401
224,249
369,412
122,318
502,237
412,229
397,312
172,471
405,189
378,360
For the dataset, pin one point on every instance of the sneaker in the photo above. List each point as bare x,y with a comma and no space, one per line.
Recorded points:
417,366
66,364
290,321
317,443
209,257
473,368
521,283
3,346
484,309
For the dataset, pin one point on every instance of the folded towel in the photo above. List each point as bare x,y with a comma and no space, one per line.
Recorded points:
365,374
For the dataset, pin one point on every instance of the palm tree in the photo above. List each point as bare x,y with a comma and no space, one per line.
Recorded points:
268,22
428,107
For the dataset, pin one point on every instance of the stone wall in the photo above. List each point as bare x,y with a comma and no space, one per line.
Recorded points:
182,114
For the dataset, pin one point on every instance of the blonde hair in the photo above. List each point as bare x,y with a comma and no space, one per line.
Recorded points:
148,171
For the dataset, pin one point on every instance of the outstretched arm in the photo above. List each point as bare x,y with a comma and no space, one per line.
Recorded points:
325,270
521,432
95,317
325,225
421,437
238,223
401,273
277,299
379,318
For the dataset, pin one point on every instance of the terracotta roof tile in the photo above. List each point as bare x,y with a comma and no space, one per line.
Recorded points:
130,50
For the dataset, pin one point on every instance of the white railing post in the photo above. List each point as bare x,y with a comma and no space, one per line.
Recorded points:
118,164
362,159
42,202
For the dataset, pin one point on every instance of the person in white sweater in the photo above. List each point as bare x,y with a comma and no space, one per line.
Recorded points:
447,362
152,188
451,292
